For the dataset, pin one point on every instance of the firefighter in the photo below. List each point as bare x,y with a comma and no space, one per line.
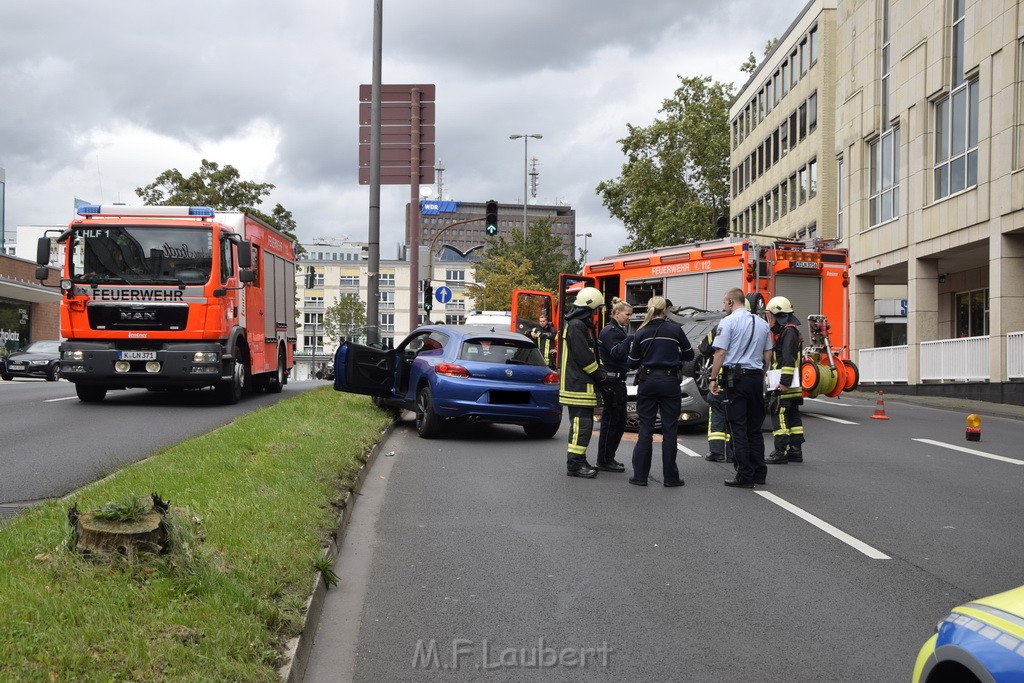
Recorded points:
719,445
659,349
581,378
613,348
544,336
787,425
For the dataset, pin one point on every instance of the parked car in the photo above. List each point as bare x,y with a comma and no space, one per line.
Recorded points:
978,641
38,359
449,374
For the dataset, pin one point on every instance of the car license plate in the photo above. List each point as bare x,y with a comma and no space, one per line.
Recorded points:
631,407
16,366
136,355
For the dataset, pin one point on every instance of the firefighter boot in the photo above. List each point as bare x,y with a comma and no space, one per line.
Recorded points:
577,466
777,457
795,454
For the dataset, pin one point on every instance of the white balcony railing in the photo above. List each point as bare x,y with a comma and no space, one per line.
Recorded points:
883,364
1015,355
955,360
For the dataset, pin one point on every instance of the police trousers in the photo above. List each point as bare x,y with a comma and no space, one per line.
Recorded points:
657,395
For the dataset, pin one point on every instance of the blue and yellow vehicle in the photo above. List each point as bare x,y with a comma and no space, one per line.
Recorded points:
981,640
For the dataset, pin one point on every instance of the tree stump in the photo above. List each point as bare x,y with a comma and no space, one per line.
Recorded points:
146,534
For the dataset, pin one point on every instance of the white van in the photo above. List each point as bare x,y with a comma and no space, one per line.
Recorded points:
501,320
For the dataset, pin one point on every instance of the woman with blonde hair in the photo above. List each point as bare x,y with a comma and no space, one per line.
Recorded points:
613,349
659,349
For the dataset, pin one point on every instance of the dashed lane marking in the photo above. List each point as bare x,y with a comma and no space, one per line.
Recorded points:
846,538
54,400
972,451
831,419
691,453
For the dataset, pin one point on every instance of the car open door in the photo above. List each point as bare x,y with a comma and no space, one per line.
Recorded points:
365,370
527,307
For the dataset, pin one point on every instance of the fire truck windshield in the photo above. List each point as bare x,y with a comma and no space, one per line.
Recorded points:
142,254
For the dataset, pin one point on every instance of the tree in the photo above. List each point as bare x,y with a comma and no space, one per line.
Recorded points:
345,319
675,181
543,250
497,275
749,66
219,188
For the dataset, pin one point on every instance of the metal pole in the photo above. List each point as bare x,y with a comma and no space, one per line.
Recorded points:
526,145
414,212
373,242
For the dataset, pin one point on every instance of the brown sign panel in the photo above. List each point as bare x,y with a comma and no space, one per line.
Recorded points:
397,175
397,135
397,113
397,93
397,155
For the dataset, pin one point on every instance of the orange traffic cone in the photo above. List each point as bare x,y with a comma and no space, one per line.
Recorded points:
880,409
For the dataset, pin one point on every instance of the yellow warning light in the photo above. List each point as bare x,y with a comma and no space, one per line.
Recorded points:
973,420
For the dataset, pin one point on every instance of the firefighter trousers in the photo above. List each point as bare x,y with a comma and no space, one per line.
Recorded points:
581,428
788,425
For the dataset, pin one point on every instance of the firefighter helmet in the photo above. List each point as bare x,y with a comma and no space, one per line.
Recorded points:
779,304
589,297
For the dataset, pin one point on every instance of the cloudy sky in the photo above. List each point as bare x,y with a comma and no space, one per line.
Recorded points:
100,98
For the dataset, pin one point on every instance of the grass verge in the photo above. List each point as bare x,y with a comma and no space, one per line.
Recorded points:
266,488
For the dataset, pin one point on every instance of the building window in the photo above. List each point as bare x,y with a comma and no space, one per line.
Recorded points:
455,275
454,319
812,112
775,204
884,157
313,302
349,281
972,313
387,322
792,60
814,45
812,178
783,200
802,173
840,197
956,121
387,299
803,121
805,61
387,280
785,78
792,192
312,318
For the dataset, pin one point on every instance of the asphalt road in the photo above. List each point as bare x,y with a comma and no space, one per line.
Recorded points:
51,443
476,558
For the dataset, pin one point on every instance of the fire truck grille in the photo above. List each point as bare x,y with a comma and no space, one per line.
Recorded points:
137,317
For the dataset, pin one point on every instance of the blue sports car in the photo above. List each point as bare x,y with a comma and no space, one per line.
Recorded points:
451,373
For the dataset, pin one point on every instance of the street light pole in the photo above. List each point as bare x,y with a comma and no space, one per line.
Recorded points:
526,170
585,236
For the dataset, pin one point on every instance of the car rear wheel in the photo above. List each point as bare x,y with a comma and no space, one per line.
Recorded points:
428,424
541,431
6,376
702,373
54,374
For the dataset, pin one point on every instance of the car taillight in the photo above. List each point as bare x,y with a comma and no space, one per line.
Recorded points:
451,370
552,378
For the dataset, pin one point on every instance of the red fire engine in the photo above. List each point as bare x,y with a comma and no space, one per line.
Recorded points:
164,297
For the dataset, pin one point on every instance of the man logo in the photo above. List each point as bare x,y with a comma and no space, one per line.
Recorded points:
138,315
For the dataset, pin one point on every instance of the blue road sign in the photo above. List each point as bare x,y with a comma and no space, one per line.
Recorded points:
443,294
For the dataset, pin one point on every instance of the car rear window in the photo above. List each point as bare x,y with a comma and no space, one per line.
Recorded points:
501,351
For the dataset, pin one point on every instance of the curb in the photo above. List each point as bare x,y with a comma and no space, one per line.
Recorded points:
299,648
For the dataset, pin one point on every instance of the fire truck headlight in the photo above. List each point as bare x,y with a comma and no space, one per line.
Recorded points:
152,366
122,366
65,285
73,355
205,357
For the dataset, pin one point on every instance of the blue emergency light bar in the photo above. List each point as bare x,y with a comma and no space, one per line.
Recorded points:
119,210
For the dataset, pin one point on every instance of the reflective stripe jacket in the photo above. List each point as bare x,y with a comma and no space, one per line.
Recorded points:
786,357
580,370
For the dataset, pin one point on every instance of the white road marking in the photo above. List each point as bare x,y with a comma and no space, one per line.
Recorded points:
692,454
838,404
962,449
54,400
830,418
825,526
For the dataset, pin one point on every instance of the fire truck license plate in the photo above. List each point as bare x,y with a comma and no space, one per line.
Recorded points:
136,355
631,407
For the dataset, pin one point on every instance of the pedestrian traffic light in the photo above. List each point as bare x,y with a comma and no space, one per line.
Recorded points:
491,220
310,277
428,298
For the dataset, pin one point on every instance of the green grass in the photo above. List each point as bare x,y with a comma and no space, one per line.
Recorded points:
266,489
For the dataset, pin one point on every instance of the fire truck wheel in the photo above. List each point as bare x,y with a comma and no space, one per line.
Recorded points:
428,424
90,393
230,392
275,383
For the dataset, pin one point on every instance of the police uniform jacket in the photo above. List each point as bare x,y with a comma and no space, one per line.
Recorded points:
660,344
786,349
613,348
580,370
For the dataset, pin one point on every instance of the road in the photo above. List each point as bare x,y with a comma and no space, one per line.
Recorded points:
477,558
51,443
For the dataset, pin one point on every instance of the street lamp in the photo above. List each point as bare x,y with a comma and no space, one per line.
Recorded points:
585,236
526,144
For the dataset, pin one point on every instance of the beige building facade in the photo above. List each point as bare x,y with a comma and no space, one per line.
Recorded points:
930,172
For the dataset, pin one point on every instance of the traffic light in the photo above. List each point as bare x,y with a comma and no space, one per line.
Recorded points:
428,298
491,220
310,277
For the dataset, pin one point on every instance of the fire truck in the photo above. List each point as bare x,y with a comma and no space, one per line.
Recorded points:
814,275
168,298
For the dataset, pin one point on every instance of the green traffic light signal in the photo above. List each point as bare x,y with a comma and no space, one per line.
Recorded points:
491,218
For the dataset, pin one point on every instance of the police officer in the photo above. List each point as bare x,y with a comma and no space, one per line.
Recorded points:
659,349
743,347
787,424
544,336
719,445
581,375
613,348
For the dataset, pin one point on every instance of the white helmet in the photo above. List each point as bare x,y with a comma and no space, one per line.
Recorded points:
589,297
779,304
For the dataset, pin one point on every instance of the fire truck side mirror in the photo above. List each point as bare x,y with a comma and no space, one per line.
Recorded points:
245,255
42,272
43,252
246,276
